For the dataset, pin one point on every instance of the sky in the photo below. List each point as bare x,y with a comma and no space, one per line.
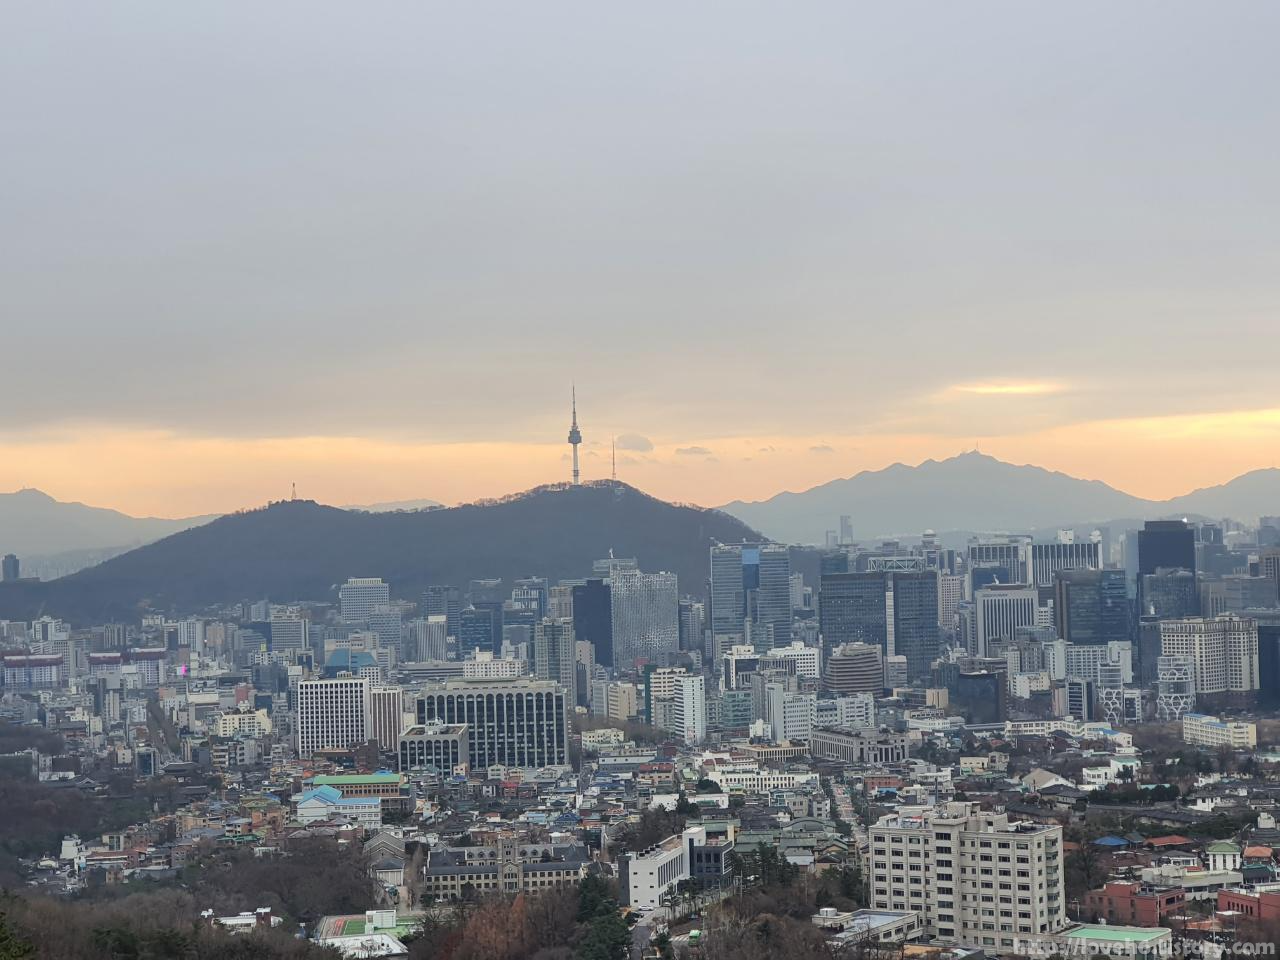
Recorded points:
367,249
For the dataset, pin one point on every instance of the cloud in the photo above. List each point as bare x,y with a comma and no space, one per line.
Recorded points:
634,441
822,448
1001,388
693,452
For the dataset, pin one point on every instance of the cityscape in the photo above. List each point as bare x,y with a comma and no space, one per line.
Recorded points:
579,481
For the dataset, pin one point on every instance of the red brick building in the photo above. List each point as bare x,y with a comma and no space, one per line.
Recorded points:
1134,904
1255,906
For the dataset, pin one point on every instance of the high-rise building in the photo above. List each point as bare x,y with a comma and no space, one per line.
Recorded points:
479,628
1091,606
1002,559
1064,554
945,862
1169,593
386,716
530,593
690,711
333,714
1000,609
289,632
913,620
751,590
427,638
359,597
514,723
10,569
441,600
644,610
555,655
1166,543
1224,651
593,617
854,608
693,623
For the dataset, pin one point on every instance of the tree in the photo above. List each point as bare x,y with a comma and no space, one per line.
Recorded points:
13,947
607,938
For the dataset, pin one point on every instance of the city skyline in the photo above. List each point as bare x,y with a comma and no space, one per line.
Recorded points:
770,250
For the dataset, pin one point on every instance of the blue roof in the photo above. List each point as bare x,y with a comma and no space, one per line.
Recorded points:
323,794
1111,842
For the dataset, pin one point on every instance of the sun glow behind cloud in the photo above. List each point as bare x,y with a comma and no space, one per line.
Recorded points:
1027,388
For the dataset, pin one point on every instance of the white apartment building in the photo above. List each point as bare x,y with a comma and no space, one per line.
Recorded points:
1205,731
333,714
1224,650
974,877
690,709
249,723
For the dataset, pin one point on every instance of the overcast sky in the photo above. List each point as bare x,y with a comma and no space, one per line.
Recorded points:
368,247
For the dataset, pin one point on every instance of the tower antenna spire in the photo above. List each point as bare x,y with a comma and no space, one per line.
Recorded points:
575,435
613,457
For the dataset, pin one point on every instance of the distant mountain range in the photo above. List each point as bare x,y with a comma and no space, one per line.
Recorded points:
301,550
973,491
33,523
54,538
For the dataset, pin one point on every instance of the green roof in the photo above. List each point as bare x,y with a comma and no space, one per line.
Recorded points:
1222,846
1125,934
356,778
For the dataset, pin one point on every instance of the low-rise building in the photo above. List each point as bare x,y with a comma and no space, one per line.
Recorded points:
1205,731
1134,903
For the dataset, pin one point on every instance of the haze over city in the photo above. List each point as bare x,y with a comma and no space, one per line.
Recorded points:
370,254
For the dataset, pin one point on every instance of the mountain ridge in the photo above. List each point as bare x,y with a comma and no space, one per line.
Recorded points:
976,491
299,549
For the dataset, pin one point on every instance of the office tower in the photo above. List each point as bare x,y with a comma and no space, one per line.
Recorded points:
441,600
560,599
555,655
513,723
289,633
1005,559
427,638
658,685
913,603
479,629
386,716
530,593
1224,651
982,696
751,584
1066,554
846,529
854,608
644,609
1236,593
10,569
1169,593
359,597
834,561
593,617
1268,564
615,699
1269,658
950,595
333,714
1000,609
728,592
693,624
690,710
1091,606
969,874
855,668
1081,693
387,623
489,595
1166,543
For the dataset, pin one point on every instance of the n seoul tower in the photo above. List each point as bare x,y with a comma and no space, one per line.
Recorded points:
575,435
